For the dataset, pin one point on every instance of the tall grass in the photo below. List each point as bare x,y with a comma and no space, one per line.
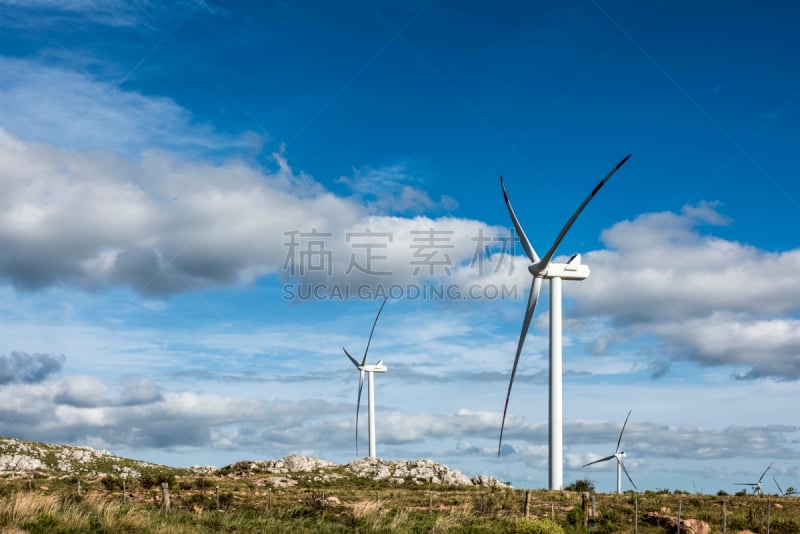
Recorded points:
393,509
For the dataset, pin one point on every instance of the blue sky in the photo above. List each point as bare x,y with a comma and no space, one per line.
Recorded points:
159,160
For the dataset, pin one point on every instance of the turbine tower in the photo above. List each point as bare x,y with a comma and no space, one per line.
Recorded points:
756,485
369,370
619,455
555,272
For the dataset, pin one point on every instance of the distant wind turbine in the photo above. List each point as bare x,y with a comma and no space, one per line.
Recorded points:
555,272
756,485
619,455
789,491
369,370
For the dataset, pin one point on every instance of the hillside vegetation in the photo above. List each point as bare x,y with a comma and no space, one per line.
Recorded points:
74,490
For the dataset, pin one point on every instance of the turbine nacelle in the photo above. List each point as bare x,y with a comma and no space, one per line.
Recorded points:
572,270
377,368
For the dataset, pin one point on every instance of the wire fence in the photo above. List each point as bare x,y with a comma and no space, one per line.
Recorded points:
629,512
602,512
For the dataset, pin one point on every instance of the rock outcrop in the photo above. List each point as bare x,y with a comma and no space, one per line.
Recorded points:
294,463
688,526
18,456
416,471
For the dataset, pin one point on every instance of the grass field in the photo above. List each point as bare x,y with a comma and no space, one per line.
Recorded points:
227,503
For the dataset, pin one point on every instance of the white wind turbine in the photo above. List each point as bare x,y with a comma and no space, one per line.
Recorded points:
619,455
756,485
369,370
789,491
555,272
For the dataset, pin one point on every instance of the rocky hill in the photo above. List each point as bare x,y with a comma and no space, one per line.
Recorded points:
18,457
43,459
394,472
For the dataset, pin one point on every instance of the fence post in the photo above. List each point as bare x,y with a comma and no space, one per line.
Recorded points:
724,517
527,502
594,510
553,511
585,506
124,491
768,507
269,503
216,496
430,503
635,514
680,504
30,486
79,487
378,499
165,504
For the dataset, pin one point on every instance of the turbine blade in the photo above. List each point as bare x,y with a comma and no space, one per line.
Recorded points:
536,286
626,473
355,362
523,239
779,486
621,431
364,362
765,471
607,458
358,403
546,259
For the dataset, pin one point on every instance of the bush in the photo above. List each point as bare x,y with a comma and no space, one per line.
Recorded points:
581,485
49,524
576,515
537,526
155,479
111,483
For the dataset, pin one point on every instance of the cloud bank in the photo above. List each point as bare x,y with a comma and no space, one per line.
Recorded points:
24,368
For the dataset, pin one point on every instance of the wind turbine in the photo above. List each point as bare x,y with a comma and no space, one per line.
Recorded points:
369,370
756,485
789,491
555,272
619,455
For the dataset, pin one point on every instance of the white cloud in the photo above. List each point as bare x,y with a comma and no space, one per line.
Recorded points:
63,108
79,14
704,298
21,367
80,408
163,226
387,190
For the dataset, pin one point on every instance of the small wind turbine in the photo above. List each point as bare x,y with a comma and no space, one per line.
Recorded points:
555,272
619,455
369,370
789,491
756,485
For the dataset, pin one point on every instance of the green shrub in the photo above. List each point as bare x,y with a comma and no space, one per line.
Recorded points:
581,485
48,524
537,526
152,479
785,526
111,483
576,515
